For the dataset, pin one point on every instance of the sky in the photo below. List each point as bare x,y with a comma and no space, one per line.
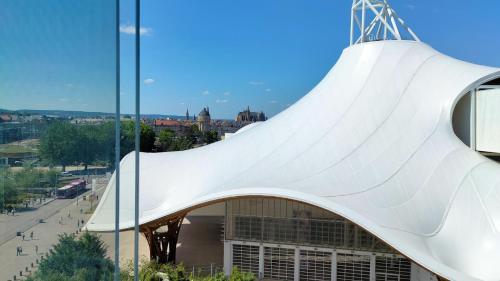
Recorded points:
224,54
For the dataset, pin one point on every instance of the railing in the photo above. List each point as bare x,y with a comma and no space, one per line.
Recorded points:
204,270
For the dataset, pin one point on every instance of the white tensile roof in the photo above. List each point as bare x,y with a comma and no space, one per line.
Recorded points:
372,142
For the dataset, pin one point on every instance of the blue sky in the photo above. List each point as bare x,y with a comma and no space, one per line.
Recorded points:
57,55
224,54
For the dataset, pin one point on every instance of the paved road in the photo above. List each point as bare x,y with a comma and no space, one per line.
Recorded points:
22,221
45,234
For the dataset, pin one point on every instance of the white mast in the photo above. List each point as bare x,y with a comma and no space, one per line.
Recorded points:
373,20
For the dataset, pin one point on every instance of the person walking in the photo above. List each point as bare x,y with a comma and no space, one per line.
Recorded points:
23,236
17,251
36,249
31,235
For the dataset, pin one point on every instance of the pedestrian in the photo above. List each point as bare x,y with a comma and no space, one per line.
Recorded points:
78,224
82,221
31,235
17,251
20,250
36,249
81,210
69,214
23,236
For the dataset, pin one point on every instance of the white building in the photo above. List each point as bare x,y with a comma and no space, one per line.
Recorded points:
376,174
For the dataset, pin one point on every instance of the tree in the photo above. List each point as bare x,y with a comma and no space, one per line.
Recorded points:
166,139
88,148
127,144
51,177
59,145
76,259
210,137
64,143
9,191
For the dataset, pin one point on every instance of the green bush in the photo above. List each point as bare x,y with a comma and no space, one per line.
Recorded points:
76,259
152,271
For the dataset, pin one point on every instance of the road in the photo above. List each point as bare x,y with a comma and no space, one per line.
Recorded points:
45,234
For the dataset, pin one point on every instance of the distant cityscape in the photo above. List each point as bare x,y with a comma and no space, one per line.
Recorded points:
20,126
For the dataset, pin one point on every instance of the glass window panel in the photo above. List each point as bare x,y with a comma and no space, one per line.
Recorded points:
57,143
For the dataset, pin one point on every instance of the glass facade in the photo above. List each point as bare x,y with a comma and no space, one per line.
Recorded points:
58,90
279,239
285,221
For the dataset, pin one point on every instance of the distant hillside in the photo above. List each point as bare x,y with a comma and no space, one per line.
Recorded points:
82,114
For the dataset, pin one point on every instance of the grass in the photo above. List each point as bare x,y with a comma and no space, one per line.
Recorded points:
18,148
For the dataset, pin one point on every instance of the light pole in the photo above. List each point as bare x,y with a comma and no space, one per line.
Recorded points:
55,186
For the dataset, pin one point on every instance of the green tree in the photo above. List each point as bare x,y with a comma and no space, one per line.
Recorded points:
51,177
8,188
76,259
210,137
105,137
59,145
167,139
182,143
127,144
64,143
88,145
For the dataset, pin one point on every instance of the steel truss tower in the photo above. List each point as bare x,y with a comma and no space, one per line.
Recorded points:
374,20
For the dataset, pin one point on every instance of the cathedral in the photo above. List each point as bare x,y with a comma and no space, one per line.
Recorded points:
248,116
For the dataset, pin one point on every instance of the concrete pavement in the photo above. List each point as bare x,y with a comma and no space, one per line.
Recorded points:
45,234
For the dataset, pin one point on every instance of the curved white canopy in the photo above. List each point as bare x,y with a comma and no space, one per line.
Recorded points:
372,142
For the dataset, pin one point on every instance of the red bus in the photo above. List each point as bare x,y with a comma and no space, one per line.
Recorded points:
71,190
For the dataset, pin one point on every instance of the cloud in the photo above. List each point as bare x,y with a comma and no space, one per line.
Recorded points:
205,93
256,83
69,86
411,6
227,94
221,101
268,90
149,81
273,101
130,29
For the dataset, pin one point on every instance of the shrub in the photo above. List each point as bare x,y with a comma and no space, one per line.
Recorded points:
76,259
152,271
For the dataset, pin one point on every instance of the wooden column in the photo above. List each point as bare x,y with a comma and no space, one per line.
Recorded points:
162,245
